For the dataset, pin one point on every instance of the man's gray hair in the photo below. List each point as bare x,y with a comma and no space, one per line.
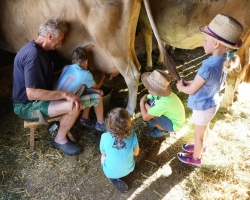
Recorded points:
52,25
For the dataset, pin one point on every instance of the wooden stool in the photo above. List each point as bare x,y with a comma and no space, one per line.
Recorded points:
32,125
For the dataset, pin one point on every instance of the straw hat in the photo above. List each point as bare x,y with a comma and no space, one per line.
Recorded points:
225,30
157,82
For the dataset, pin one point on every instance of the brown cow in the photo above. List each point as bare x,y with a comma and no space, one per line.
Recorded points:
105,28
178,21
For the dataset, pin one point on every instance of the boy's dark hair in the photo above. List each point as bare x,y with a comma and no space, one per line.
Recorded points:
119,124
79,55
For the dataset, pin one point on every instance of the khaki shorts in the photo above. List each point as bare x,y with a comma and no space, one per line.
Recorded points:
203,117
90,99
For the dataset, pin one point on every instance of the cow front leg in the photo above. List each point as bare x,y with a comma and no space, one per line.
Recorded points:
132,81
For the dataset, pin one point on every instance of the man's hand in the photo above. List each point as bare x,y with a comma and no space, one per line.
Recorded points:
75,101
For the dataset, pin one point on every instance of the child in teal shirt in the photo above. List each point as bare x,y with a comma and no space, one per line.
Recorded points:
118,147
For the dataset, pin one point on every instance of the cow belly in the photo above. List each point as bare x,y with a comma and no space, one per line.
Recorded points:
105,28
178,21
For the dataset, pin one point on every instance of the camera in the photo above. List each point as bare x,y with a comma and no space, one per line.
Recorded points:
151,101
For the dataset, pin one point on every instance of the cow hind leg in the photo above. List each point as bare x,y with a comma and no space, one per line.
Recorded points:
147,34
160,57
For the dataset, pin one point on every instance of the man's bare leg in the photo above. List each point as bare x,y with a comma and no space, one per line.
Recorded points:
68,119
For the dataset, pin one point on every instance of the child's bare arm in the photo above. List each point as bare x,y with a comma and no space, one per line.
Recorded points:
144,109
136,151
98,84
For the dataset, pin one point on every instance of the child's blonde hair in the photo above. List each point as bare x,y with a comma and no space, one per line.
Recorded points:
119,124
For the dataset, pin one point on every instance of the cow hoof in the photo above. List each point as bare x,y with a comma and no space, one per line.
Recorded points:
148,69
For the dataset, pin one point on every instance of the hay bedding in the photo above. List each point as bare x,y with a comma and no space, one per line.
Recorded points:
47,173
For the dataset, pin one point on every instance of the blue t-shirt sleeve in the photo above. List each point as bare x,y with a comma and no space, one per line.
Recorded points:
135,140
206,72
89,80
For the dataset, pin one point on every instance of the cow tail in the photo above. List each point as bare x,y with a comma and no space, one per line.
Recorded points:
167,60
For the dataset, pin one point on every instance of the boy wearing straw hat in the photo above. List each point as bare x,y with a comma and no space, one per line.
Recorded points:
222,37
161,108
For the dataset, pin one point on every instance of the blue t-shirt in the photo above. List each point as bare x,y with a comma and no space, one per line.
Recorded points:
32,69
207,96
119,160
74,79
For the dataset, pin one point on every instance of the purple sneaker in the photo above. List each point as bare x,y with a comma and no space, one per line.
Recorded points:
190,148
188,159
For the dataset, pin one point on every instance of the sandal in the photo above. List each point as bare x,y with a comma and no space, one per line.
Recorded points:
87,122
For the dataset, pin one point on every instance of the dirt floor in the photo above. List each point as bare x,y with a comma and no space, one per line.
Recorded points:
46,173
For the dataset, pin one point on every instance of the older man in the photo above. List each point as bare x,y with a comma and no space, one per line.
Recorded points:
33,94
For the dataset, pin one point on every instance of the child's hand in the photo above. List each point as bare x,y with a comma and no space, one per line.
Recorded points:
103,157
187,83
147,106
180,84
100,92
144,99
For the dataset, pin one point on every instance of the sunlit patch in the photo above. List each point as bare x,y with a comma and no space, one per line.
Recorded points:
163,171
173,138
123,90
191,61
